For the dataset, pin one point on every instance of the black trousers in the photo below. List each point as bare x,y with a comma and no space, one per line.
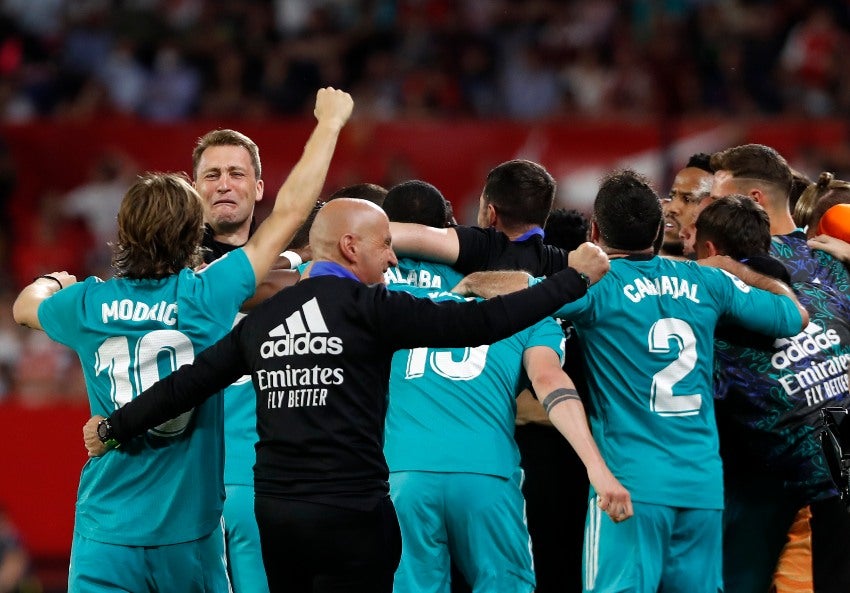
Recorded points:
830,546
317,548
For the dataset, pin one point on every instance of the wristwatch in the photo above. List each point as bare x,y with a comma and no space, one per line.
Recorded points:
104,433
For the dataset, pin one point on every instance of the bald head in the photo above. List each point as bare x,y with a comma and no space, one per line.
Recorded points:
355,234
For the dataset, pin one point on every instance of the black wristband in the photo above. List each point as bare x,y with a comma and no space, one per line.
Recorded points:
49,277
585,277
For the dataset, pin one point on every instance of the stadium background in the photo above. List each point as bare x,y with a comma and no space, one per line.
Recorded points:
94,91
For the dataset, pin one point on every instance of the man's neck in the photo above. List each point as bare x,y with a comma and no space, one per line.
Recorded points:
782,223
237,237
514,234
618,253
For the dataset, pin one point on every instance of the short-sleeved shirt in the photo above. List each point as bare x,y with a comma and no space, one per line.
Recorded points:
165,487
453,409
647,335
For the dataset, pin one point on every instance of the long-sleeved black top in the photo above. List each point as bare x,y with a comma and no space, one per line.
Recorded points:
319,357
489,249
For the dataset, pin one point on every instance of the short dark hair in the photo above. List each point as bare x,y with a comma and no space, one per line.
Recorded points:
361,191
737,226
417,201
755,161
700,160
627,211
521,191
566,229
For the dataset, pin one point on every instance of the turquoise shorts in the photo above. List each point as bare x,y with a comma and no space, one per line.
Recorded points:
192,567
242,539
476,520
660,548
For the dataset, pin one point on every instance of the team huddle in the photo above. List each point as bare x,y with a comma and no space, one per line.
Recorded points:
347,422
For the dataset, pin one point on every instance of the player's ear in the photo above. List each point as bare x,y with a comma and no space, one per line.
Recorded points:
707,249
348,247
260,186
492,215
594,232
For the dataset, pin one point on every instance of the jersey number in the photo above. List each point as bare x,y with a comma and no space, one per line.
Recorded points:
443,363
127,380
662,399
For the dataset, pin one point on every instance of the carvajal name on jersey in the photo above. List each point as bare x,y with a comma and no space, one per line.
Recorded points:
665,285
127,310
297,398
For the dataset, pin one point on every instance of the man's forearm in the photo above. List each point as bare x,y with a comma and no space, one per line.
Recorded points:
491,284
424,242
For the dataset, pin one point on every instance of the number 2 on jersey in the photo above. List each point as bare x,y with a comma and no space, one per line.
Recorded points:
662,399
113,357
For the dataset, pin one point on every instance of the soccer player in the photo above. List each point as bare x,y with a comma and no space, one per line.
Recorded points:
148,516
691,186
450,433
419,202
646,333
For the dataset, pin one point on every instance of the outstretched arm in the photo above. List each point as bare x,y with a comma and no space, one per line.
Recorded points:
558,396
588,260
298,194
25,308
425,242
214,369
752,278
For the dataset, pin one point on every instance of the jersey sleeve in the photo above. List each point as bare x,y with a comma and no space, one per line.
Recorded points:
474,248
407,322
755,309
549,334
573,310
61,315
227,282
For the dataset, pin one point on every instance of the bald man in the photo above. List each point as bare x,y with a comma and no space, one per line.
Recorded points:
319,357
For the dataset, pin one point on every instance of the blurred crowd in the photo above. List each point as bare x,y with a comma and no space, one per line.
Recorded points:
167,60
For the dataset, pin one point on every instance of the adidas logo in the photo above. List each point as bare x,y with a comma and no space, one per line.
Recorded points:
298,332
808,343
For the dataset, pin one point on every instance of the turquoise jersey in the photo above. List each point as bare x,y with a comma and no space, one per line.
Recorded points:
166,486
647,336
423,274
453,409
240,430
